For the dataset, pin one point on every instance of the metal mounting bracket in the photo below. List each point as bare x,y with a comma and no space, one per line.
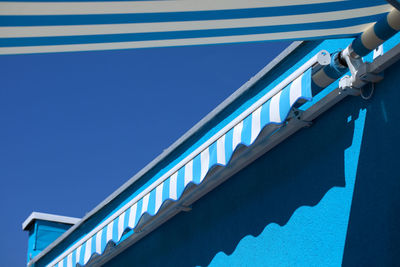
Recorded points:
297,116
361,72
184,208
346,86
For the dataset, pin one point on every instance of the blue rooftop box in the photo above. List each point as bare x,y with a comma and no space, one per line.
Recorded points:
43,229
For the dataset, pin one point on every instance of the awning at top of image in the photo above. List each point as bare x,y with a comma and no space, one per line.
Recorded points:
43,27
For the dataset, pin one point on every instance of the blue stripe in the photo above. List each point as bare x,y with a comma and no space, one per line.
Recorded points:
51,20
246,131
196,169
284,103
104,238
209,164
333,70
74,258
383,30
126,219
138,211
306,90
149,36
152,202
115,230
65,262
165,194
228,145
264,116
93,245
180,182
82,255
213,154
359,47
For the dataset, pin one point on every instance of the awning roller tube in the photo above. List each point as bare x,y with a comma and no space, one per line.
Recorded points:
376,34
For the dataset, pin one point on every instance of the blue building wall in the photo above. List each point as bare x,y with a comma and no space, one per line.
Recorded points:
329,195
41,234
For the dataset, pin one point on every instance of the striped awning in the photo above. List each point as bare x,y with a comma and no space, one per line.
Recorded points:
42,27
193,172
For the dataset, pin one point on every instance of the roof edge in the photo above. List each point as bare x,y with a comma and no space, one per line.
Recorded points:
48,217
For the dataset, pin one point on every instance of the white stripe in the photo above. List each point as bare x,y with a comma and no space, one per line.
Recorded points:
274,115
84,8
183,42
188,172
78,254
98,242
159,191
221,150
69,260
61,263
295,90
88,251
172,186
76,30
145,203
205,162
121,225
255,124
237,135
110,231
378,52
132,216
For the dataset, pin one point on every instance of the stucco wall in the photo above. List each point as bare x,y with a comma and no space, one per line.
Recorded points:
329,195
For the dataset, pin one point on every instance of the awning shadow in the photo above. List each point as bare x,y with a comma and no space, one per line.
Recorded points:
373,237
297,173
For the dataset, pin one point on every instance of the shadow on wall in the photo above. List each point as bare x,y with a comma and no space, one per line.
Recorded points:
313,236
241,217
373,237
292,206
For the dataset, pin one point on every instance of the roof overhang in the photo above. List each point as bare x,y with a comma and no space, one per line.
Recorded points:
48,217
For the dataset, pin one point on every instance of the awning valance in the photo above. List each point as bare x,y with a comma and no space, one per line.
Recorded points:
42,27
193,172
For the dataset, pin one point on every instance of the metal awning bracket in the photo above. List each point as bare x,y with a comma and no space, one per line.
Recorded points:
183,207
346,86
296,116
365,74
361,73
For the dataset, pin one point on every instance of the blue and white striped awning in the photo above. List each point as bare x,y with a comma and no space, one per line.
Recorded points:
193,172
42,27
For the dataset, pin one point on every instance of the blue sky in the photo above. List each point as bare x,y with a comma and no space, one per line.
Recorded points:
76,126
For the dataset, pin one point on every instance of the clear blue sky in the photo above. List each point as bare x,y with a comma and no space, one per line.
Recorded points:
76,126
